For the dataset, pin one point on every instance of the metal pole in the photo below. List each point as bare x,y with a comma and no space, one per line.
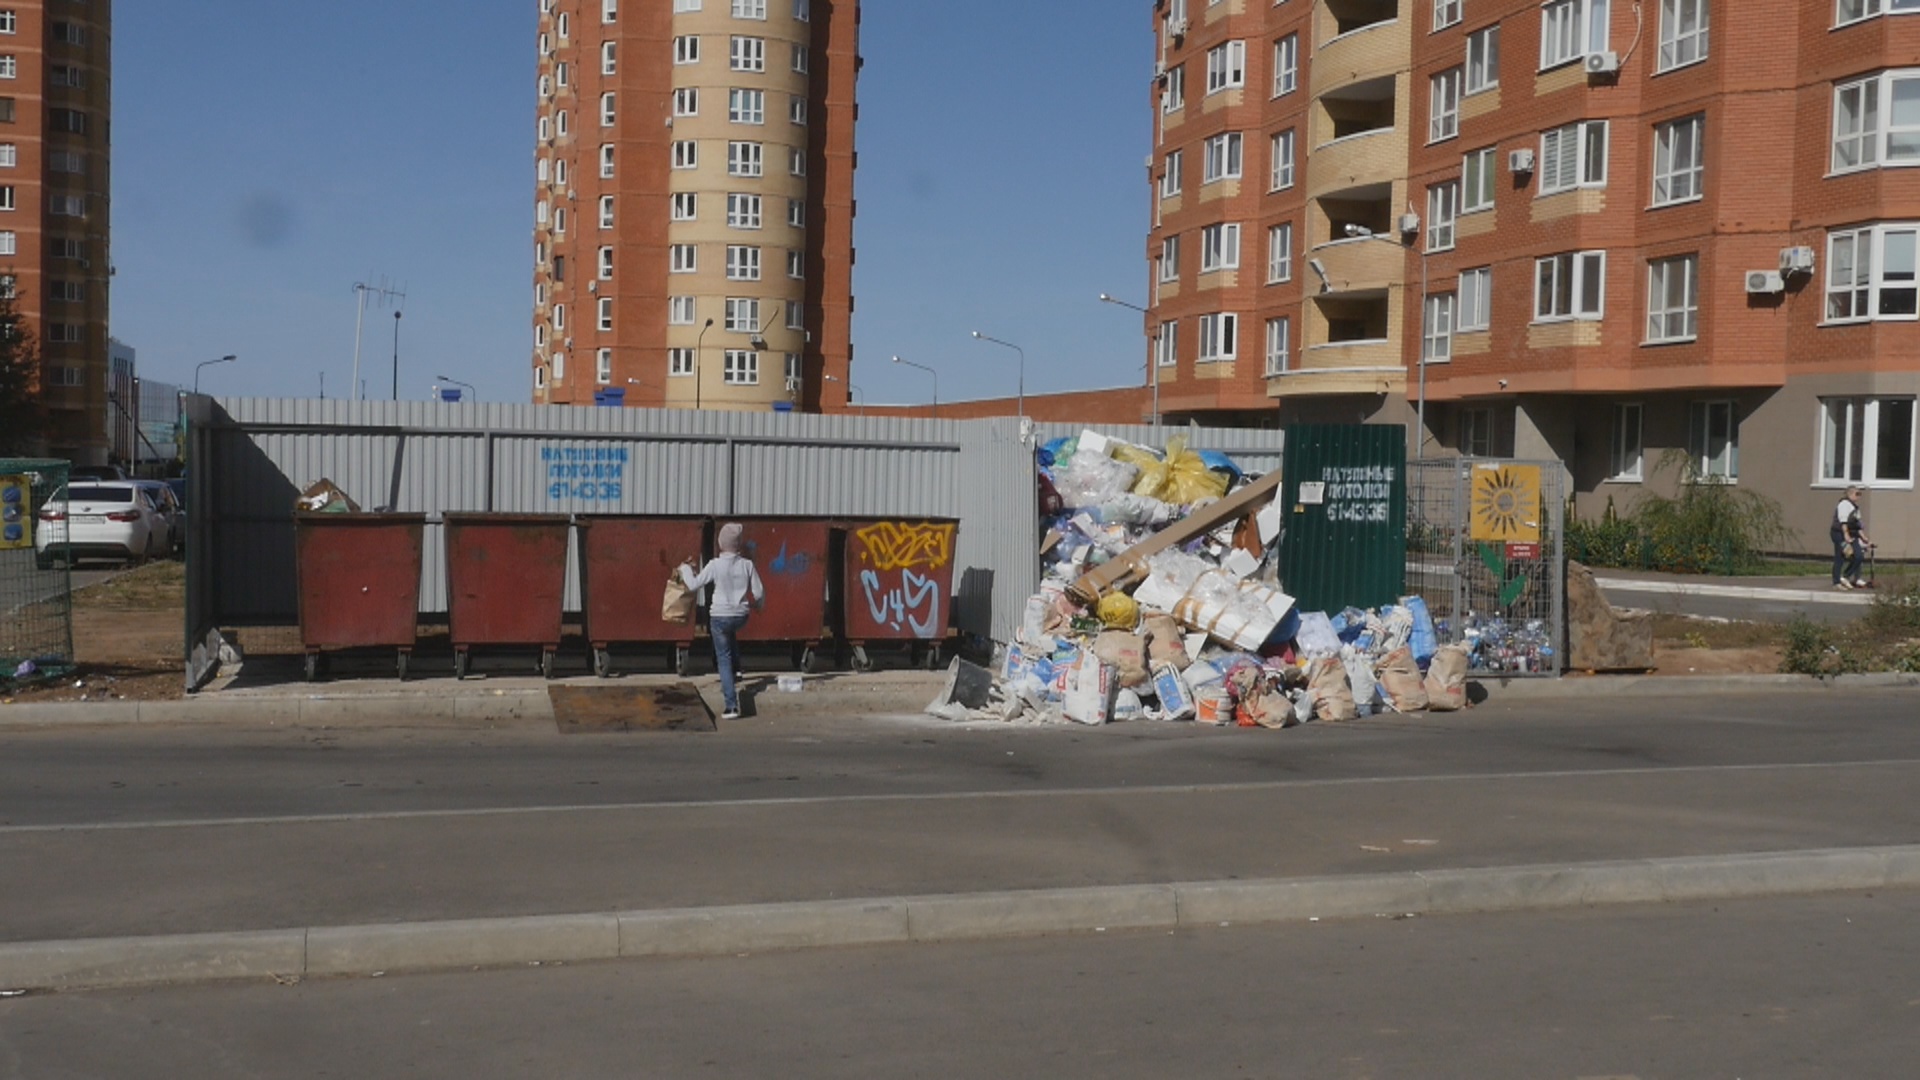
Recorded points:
697,374
1420,436
936,382
396,356
1153,361
1023,367
359,320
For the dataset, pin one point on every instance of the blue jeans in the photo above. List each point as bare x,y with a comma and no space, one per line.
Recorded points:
726,654
1844,561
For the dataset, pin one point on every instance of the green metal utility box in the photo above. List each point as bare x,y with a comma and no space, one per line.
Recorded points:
1344,503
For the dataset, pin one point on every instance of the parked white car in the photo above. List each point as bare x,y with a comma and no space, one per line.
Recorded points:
99,519
171,513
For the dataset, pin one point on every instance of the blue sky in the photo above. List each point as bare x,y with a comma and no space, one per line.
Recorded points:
267,156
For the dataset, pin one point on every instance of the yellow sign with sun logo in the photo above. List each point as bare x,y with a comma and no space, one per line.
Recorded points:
1506,503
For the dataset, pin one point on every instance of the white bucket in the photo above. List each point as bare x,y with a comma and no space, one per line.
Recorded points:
790,684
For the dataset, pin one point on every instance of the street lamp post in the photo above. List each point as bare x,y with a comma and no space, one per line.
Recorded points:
1023,366
697,340
1364,233
1153,362
396,356
227,359
936,382
854,392
457,382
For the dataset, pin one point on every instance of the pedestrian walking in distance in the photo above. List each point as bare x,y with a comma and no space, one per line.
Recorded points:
733,579
1850,540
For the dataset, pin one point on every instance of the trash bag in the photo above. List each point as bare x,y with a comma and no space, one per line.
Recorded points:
1366,689
1316,637
1126,652
1331,692
1117,611
1093,479
1189,480
1090,692
676,606
1400,677
1447,679
1153,471
1127,706
1424,639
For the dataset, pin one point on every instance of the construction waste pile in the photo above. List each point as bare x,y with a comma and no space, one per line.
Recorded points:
1161,600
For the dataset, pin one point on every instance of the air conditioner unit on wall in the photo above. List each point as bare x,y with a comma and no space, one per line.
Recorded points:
1409,223
1520,161
1796,260
1602,63
1177,28
1765,282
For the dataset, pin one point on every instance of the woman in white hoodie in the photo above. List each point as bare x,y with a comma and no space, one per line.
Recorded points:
733,579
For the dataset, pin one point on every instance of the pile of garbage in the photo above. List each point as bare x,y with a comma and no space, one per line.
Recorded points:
1161,600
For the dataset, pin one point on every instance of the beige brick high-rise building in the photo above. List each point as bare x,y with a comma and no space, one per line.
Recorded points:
693,238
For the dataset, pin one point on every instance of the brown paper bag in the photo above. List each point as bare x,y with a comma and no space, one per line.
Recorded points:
1332,692
677,605
1400,677
1447,679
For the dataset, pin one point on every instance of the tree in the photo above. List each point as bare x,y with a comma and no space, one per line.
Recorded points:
23,417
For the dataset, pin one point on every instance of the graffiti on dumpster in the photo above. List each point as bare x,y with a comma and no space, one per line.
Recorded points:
897,582
914,602
593,473
894,545
783,564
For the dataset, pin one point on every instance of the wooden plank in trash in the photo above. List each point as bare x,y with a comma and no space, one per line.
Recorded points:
1131,565
579,710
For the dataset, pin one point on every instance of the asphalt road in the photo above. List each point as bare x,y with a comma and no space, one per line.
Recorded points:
1797,987
143,831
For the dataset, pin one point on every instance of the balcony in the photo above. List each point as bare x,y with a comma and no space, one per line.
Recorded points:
1360,265
1352,341
1368,51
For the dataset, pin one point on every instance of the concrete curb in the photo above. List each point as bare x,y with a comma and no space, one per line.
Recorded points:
1642,587
1682,685
430,946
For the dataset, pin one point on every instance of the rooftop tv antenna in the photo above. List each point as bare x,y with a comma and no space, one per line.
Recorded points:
383,295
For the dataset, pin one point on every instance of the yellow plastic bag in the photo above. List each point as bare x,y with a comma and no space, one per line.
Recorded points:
1188,478
1153,471
1118,611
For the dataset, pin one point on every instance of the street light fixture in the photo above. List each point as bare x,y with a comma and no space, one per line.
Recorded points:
858,395
936,382
457,382
1361,232
228,359
697,340
978,336
1153,362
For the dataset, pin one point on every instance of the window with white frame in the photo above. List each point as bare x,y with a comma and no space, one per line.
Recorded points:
681,310
747,106
607,54
1226,66
1475,431
1218,336
1866,441
796,161
559,219
686,206
797,265
742,368
686,101
797,110
1286,65
1173,93
1280,253
10,157
686,49
9,22
1170,177
747,54
1570,29
560,124
540,335
606,161
607,113
565,26
606,211
683,6
1877,120
1477,170
743,315
1476,300
800,60
1279,341
1443,208
1854,10
1483,59
1683,33
1436,334
558,366
743,211
1673,299
743,262
1281,173
9,242
796,213
679,362
1570,285
602,366
683,259
560,173
1677,166
546,43
1626,459
560,71
1445,13
559,318
686,154
546,128
796,316
1871,274
543,171
1166,344
546,81
1219,247
1222,161
609,10
1713,440
605,313
745,159
794,369
802,10
1170,259
1444,115
1574,156
750,9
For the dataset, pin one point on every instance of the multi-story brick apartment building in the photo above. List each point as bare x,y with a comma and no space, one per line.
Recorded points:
55,105
693,238
1678,227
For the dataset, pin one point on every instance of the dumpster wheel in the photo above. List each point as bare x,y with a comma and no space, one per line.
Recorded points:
400,665
546,663
313,666
603,663
862,663
682,660
462,663
810,662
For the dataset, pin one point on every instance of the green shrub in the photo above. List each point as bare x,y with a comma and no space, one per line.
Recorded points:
1707,527
1809,649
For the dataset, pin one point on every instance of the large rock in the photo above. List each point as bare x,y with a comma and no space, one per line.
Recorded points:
1600,638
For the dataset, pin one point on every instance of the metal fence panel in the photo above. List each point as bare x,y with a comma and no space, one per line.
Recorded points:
36,595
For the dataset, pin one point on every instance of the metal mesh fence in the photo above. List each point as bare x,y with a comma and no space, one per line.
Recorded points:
36,593
1485,550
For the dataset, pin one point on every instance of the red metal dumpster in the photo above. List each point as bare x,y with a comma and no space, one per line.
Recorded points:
625,563
792,556
899,585
359,580
506,583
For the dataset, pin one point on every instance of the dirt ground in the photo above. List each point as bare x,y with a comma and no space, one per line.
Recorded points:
1689,646
126,640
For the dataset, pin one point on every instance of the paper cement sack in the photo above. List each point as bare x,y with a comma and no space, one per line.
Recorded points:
1447,679
1090,691
1400,677
1176,700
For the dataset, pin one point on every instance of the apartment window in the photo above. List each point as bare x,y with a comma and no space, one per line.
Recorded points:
63,248
681,311
540,335
9,242
742,368
1443,207
9,22
1713,440
68,33
683,259
686,206
559,219
1673,299
1570,29
609,10
1436,334
1444,120
1677,164
797,110
565,26
1626,459
9,67
10,157
606,211
74,122
6,197
1282,171
603,366
1166,347
796,316
1477,170
606,109
1170,179
1476,432
1574,156
1279,336
68,205
68,292
542,211
793,371
1173,96
1219,248
1866,441
743,315
745,159
546,45
750,9
802,10
1445,13
1683,32
605,313
1226,66
800,59
606,263
1169,258
1876,120
1217,336
559,318
70,76
65,375
560,173
606,161
539,378
607,53
743,211
560,74
743,262
686,49
560,124
797,265
686,154
679,362
1871,274
543,171
747,54
559,366
796,161
1286,65
1483,59
1475,310
747,106
796,213
1280,253
60,161
1222,160
7,115
1571,285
